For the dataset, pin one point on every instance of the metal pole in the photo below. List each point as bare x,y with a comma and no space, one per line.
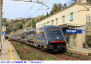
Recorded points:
31,24
0,25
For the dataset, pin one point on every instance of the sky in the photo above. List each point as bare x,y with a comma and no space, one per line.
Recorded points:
16,9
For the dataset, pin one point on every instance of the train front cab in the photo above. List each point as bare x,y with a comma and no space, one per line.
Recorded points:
56,39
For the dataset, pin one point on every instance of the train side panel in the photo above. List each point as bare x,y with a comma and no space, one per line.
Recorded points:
30,39
41,40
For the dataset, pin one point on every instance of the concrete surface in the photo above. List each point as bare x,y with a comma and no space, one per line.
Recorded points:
82,51
8,52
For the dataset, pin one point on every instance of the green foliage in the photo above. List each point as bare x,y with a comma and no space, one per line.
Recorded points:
49,58
33,23
55,8
16,25
60,6
89,54
26,47
65,6
47,14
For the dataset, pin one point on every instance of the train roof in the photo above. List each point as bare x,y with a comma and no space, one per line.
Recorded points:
34,30
49,26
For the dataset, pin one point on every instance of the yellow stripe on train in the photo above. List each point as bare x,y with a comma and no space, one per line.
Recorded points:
37,31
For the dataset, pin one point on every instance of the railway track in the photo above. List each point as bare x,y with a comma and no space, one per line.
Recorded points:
56,56
65,57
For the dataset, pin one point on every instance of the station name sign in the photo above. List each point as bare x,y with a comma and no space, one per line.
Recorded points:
73,31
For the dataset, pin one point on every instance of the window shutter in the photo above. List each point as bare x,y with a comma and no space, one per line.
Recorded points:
87,1
63,19
71,16
52,22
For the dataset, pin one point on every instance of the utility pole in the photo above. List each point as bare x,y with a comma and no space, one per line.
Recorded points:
31,24
1,24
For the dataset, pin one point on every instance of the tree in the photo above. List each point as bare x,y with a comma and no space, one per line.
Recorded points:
65,6
59,6
54,9
47,14
33,23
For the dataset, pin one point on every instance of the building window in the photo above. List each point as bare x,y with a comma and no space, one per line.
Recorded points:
71,16
63,19
52,22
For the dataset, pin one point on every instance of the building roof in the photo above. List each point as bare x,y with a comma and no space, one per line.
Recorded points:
69,25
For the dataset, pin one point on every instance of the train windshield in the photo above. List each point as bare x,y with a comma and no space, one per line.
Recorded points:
56,34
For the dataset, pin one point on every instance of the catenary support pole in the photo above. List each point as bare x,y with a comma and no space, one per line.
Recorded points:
0,25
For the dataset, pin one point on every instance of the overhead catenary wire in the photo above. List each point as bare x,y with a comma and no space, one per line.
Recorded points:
38,9
36,1
30,9
71,2
45,6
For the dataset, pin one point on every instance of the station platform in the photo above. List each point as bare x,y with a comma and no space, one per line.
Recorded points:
81,51
8,52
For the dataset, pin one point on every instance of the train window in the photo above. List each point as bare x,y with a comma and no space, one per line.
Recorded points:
42,34
55,32
23,37
38,38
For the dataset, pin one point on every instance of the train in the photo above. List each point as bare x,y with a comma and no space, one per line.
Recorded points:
48,38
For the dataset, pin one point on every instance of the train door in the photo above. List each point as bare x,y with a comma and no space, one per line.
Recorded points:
38,40
71,40
44,42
